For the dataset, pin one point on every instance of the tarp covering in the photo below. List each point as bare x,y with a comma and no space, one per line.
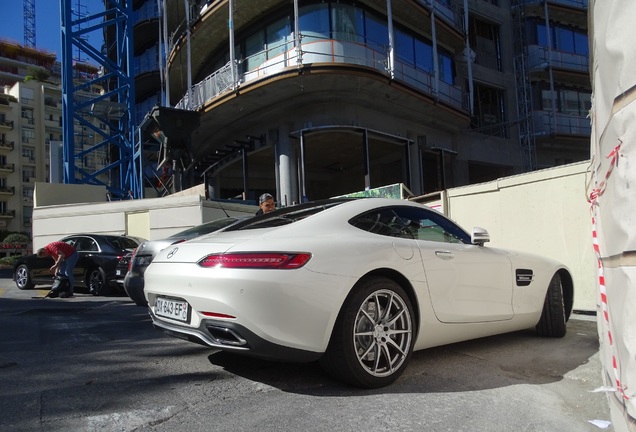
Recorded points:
612,197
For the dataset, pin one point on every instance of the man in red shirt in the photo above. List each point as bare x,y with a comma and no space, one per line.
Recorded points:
65,257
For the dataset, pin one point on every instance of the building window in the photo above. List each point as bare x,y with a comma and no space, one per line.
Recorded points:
489,111
313,21
27,215
28,135
28,174
562,38
28,153
27,114
27,192
484,39
568,101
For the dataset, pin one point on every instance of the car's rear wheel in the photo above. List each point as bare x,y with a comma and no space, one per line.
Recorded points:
373,338
23,278
96,281
553,318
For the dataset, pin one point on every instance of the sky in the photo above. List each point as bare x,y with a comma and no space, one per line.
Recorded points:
47,22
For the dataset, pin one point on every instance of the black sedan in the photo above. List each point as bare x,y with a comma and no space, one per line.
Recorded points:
98,258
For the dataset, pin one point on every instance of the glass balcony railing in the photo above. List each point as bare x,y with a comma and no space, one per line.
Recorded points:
278,58
540,58
546,123
583,4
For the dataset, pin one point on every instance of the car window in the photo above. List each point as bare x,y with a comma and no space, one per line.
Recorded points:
287,215
411,222
205,228
86,244
123,242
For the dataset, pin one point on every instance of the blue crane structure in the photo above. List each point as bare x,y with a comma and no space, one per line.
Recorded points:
113,106
29,23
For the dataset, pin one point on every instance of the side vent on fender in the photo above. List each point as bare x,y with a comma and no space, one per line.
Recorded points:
524,277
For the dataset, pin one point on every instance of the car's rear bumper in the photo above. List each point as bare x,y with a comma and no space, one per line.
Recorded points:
233,337
134,287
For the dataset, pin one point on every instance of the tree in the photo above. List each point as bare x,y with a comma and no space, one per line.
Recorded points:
37,73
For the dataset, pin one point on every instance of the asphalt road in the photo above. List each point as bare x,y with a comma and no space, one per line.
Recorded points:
96,364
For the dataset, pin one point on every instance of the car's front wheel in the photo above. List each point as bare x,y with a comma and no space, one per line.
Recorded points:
96,281
23,278
553,320
374,335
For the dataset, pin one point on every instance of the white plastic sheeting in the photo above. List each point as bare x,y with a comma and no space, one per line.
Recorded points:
612,197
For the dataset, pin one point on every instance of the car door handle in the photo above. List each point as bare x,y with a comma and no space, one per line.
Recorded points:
445,255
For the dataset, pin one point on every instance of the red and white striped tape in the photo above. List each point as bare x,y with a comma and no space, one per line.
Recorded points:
595,194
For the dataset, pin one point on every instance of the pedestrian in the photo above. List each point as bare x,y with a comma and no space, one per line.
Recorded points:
65,257
266,204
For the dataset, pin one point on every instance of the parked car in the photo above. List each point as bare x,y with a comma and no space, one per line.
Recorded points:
357,284
122,269
144,254
95,268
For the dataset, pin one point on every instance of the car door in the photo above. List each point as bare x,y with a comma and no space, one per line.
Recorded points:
467,282
86,247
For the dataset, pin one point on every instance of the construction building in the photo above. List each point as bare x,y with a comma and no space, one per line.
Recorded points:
311,99
31,131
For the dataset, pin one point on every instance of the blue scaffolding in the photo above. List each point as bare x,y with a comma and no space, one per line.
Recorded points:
114,106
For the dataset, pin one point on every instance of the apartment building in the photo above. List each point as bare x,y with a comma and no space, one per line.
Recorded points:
31,136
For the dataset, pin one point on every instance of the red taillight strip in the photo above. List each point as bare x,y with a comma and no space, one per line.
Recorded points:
256,260
217,315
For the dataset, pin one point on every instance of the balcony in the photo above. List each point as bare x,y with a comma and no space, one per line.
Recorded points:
6,126
7,214
7,190
561,124
320,51
538,58
50,102
576,4
6,146
7,168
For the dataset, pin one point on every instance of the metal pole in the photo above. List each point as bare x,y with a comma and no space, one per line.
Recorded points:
435,55
549,61
245,180
389,16
188,54
230,24
297,42
166,47
302,167
469,62
366,162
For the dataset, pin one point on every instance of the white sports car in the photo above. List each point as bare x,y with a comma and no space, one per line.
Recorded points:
358,284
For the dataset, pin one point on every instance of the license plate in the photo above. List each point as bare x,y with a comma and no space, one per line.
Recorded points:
173,309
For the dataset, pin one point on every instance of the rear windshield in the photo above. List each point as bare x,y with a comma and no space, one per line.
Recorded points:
123,242
205,228
287,215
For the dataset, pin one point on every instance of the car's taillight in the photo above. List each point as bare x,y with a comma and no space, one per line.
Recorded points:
256,260
132,258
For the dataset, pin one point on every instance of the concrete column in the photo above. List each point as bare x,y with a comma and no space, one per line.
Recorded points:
287,189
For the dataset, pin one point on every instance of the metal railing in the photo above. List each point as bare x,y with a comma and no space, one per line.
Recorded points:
539,58
561,124
317,50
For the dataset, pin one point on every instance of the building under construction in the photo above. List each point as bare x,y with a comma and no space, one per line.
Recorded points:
311,99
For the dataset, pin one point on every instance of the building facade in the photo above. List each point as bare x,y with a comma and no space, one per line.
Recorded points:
31,133
313,99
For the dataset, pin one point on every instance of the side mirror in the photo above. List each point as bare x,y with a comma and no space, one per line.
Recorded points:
479,236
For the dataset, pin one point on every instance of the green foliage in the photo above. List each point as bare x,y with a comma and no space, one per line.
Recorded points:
37,73
16,238
8,261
